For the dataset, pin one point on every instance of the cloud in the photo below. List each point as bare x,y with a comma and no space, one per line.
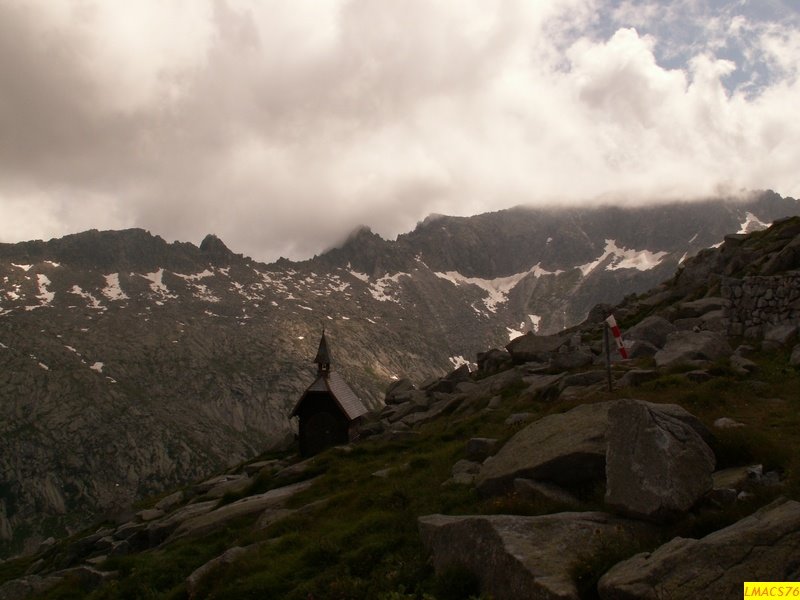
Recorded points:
281,127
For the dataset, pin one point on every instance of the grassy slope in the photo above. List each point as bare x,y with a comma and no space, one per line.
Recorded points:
362,541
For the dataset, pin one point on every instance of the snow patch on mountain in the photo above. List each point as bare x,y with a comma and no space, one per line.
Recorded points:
94,303
497,289
362,276
535,322
45,295
98,366
25,268
623,258
112,289
515,333
458,361
157,284
752,223
196,276
380,290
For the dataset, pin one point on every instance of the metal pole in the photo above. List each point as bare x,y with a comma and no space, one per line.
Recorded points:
608,357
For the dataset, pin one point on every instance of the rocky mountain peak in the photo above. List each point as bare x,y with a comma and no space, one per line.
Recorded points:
215,248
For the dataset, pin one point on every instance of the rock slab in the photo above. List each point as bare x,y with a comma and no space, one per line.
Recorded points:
519,558
762,547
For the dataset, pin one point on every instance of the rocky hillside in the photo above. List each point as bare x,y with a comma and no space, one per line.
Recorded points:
130,364
526,478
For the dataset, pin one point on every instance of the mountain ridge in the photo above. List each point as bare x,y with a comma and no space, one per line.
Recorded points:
171,360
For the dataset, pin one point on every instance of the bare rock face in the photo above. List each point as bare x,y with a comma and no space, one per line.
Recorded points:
656,465
566,448
687,346
762,547
518,558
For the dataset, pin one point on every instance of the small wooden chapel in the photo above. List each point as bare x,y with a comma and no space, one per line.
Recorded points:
329,410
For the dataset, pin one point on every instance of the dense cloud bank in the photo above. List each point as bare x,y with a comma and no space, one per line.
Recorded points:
281,126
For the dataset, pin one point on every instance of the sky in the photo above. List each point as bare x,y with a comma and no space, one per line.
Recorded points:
281,126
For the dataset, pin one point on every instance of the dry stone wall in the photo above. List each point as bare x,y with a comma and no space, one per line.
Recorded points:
759,302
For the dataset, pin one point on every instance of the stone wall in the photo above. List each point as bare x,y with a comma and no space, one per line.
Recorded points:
760,302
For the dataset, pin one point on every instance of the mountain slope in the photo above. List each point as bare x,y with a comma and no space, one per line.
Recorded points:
358,521
130,365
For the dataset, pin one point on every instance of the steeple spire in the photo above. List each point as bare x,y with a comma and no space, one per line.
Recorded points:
323,358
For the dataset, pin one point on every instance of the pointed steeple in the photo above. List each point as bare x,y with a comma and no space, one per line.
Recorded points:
323,358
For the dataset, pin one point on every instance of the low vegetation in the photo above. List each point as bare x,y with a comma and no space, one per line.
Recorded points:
358,538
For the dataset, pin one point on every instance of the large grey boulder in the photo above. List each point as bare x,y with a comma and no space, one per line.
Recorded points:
653,330
567,449
683,347
762,547
530,347
519,558
656,465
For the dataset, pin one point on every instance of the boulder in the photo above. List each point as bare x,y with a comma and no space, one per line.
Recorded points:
743,366
448,383
519,558
783,335
232,486
542,387
246,506
762,547
170,502
685,346
583,379
678,412
398,391
463,472
572,359
438,408
738,478
536,348
158,531
652,330
640,349
698,308
226,558
567,449
149,514
656,465
493,360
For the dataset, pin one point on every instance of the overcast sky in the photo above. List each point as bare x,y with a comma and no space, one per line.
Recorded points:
282,125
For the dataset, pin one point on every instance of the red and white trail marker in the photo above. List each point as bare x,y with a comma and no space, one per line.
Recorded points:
612,323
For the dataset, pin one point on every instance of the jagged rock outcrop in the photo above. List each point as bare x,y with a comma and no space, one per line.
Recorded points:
762,547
